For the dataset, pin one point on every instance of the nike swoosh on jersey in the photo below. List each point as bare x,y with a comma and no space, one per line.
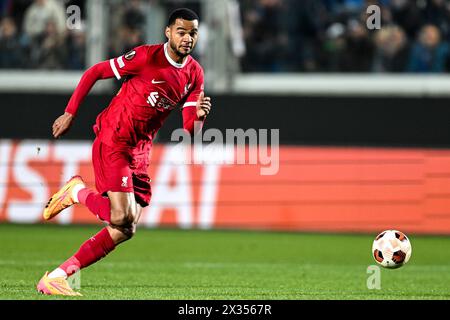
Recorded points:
156,82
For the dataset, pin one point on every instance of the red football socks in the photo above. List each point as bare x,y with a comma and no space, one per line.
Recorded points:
96,203
90,252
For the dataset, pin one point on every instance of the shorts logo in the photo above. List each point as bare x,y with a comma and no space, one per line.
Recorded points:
124,181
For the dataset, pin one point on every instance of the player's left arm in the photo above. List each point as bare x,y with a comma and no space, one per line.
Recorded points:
197,106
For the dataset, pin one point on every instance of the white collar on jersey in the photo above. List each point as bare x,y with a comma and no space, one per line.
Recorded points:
175,64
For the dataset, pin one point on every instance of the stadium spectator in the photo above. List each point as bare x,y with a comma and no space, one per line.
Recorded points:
39,13
264,36
392,50
407,15
10,45
359,49
305,26
279,35
333,47
129,25
76,49
50,52
134,17
437,12
16,10
429,53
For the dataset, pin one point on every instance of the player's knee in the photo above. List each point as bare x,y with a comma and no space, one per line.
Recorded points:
123,221
127,231
122,233
121,218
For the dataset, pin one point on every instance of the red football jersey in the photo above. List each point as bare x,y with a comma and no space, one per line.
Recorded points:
154,86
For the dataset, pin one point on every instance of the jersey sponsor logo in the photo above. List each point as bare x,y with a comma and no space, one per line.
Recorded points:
152,98
156,82
160,102
165,104
130,55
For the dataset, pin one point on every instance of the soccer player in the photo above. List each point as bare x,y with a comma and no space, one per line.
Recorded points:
158,79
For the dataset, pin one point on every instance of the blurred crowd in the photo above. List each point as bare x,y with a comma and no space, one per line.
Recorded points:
332,36
136,22
279,35
34,35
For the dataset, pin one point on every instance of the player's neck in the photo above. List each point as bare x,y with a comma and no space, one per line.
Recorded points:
175,58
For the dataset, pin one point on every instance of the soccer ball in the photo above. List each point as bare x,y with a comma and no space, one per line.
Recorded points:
391,249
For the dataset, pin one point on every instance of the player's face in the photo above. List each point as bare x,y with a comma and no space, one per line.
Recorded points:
182,35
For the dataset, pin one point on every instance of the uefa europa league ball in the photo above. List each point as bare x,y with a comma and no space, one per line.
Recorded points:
391,249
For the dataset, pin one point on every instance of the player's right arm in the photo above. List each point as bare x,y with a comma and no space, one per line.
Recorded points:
99,71
128,64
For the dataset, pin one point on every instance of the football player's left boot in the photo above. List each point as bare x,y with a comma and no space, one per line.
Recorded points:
63,198
55,286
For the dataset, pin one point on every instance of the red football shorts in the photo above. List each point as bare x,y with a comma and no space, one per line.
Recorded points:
118,170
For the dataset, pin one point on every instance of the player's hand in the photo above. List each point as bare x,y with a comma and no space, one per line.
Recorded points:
62,124
203,106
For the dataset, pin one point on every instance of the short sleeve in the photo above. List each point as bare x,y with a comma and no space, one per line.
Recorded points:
131,63
197,88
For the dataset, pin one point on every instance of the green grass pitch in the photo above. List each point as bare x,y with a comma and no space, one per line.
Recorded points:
182,264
